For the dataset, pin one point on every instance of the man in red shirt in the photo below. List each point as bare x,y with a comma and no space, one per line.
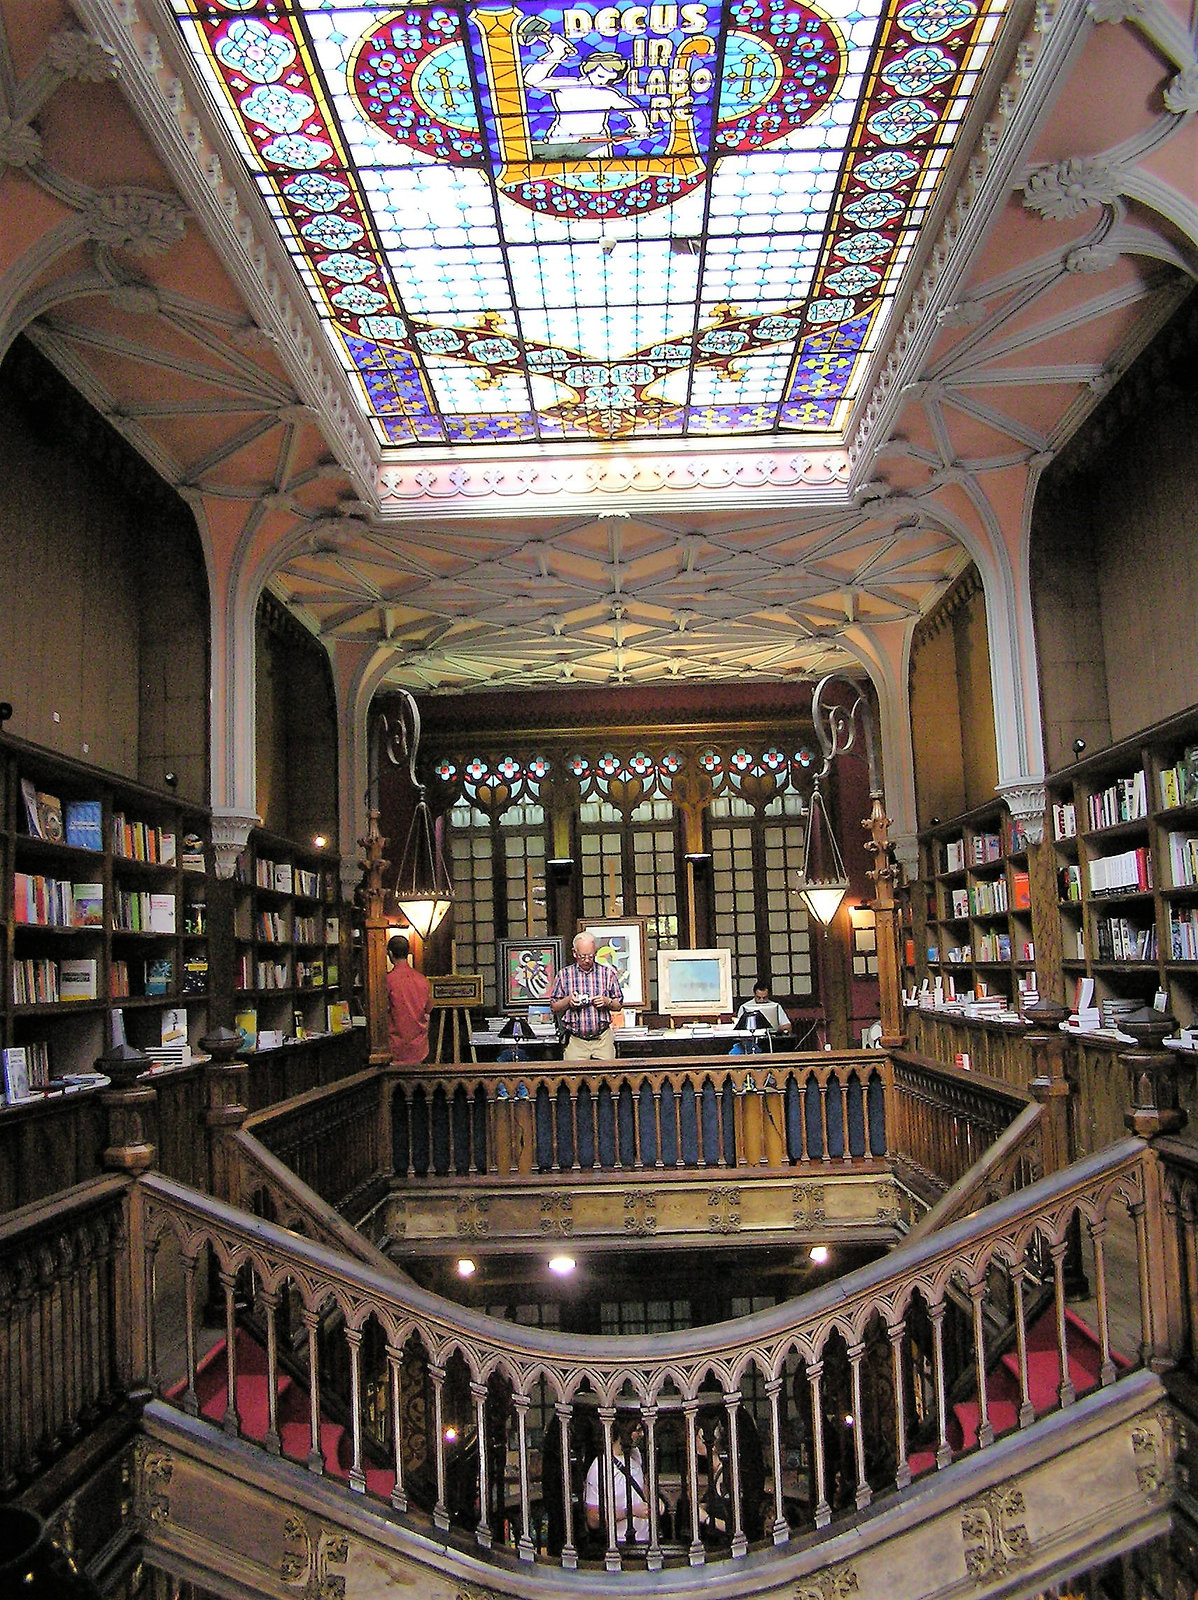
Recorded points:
409,1002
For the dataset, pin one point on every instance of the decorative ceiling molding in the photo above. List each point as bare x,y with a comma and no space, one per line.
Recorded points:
772,476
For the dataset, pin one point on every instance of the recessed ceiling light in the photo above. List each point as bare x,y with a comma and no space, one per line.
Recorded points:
819,1254
465,1267
562,1265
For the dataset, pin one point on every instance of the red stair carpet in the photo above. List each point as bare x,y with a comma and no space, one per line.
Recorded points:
292,1411
1043,1383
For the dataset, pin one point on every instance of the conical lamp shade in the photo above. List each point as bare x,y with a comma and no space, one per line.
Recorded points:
823,882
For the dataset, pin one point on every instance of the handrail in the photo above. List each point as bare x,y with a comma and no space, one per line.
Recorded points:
783,1366
944,1119
635,1115
1012,1161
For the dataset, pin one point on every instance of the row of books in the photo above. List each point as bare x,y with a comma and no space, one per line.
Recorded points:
989,899
1183,859
1064,819
1118,939
1183,935
1125,872
1125,800
78,823
138,911
156,977
272,927
984,848
142,841
1179,784
952,858
314,974
56,902
47,982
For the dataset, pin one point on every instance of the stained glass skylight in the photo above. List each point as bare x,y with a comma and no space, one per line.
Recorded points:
546,222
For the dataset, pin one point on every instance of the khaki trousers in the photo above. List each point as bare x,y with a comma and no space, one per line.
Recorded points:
601,1049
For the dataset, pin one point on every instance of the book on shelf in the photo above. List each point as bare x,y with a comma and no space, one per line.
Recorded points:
159,974
35,981
195,917
338,1013
49,817
88,905
1021,891
1179,783
1183,859
191,853
959,903
1124,872
246,1023
83,823
162,913
1064,819
1069,882
195,974
953,855
16,1074
984,848
1125,800
77,979
37,1054
270,1038
118,979
173,1025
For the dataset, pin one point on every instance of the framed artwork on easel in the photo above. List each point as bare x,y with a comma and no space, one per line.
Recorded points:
620,943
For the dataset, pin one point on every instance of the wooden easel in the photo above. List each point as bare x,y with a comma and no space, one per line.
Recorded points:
454,993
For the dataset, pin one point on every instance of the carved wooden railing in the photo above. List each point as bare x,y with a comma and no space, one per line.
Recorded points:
942,1120
1014,1160
331,1138
66,1334
836,1374
524,1117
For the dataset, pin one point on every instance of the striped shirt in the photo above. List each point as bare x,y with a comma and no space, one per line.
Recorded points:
587,1021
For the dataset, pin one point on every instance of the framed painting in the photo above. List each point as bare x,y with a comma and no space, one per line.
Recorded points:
527,968
620,942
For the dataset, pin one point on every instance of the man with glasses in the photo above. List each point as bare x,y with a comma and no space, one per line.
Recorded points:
583,997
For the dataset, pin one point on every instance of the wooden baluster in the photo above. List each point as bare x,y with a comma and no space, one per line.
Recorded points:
88,1354
944,1450
977,1293
823,1114
25,1342
638,1160
482,1531
565,1412
1065,1392
653,1557
437,1378
231,1422
823,1511
1027,1411
555,1128
895,1332
804,1148
1098,1236
191,1403
315,1460
399,1494
740,1543
478,1164
46,1381
690,1410
151,1322
678,1104
657,1159
574,1121
864,1494
357,1478
70,1316
524,1545
410,1158
773,1393
105,1315
268,1299
773,1110
1141,1222
611,1556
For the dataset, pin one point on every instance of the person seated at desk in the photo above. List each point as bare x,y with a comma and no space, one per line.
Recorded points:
761,1011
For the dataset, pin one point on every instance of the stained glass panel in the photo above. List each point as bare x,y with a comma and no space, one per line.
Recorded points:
578,222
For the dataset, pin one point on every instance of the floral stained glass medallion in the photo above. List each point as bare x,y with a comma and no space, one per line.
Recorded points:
548,222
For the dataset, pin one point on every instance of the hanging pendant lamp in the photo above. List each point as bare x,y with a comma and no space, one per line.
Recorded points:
822,882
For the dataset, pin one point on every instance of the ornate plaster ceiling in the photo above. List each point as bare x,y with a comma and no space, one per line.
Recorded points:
137,255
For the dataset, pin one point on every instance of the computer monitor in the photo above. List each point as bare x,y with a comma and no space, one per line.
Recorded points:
766,1014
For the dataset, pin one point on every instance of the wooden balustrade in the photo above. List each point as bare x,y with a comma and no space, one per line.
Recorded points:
637,1116
943,1120
330,1138
827,1380
65,1353
48,1144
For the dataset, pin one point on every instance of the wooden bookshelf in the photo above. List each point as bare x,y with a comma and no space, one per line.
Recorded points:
975,893
102,911
1120,824
290,936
